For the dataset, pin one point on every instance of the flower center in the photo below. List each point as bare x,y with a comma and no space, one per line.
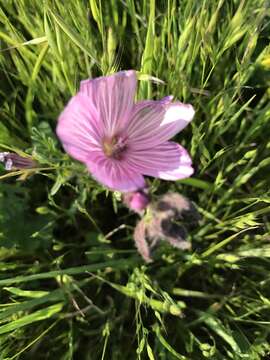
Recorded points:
114,147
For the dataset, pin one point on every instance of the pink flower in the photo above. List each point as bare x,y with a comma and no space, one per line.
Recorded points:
120,141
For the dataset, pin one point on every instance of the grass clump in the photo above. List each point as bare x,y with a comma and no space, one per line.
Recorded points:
68,289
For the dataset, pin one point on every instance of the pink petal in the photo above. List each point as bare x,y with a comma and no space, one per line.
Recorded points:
116,175
113,97
78,129
166,99
168,161
153,122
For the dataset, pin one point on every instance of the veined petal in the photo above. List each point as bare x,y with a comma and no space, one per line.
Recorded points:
77,128
117,175
168,161
153,122
113,97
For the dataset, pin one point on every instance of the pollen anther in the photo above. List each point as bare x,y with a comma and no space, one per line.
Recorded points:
114,147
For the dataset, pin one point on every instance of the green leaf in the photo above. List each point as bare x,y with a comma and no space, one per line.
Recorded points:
29,319
26,293
150,352
73,36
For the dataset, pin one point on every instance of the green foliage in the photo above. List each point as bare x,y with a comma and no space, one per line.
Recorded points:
18,226
72,283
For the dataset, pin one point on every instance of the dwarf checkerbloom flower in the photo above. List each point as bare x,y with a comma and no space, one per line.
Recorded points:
119,140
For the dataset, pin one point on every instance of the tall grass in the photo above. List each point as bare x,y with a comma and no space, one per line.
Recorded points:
68,289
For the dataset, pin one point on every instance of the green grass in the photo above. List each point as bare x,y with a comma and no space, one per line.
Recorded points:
68,291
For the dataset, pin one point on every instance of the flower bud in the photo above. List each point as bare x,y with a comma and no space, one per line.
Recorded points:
136,201
15,161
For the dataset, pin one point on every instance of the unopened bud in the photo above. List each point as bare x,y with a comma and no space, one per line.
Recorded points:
136,201
15,161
